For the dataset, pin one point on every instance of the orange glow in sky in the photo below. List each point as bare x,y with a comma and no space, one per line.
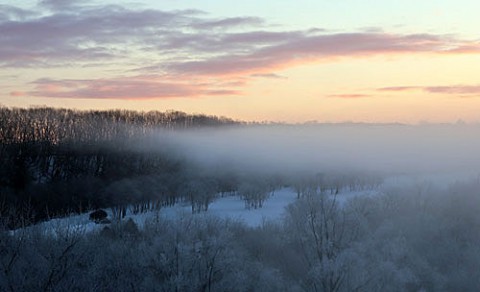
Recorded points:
251,64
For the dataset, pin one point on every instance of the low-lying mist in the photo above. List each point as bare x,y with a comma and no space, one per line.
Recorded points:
380,149
351,218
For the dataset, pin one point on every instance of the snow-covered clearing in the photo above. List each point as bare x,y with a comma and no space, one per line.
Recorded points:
233,206
228,207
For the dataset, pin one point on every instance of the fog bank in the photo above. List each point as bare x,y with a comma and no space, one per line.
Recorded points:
385,149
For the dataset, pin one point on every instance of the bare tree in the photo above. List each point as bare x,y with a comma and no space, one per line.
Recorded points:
317,227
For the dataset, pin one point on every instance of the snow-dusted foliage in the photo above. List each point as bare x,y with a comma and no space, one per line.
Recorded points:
418,238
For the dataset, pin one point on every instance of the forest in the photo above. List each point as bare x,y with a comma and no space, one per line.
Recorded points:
57,163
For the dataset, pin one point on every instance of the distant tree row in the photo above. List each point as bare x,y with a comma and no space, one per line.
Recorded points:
53,180
333,183
20,125
57,161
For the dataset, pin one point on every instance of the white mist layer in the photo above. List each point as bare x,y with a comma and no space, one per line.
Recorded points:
375,148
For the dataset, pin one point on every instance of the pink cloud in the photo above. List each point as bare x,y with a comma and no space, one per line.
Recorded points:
397,88
18,93
442,89
456,89
140,87
82,33
207,56
348,96
317,48
269,76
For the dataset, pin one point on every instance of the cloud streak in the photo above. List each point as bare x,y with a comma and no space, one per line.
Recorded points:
129,88
349,96
310,48
451,89
99,31
229,22
183,45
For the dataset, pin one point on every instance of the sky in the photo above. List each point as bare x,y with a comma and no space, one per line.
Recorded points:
287,61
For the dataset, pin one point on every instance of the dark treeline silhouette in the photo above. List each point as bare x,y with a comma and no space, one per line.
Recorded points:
54,180
44,124
56,161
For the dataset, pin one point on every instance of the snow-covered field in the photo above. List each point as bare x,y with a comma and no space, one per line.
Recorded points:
233,207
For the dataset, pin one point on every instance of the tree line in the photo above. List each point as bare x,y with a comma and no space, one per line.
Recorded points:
412,239
45,124
54,162
57,161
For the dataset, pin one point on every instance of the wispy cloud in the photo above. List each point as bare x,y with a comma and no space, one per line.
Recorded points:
450,89
228,22
397,88
456,89
8,12
269,76
184,45
57,5
137,87
348,96
17,93
325,47
83,35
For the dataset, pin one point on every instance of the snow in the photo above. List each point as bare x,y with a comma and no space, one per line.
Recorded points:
228,207
56,226
272,210
344,196
233,207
